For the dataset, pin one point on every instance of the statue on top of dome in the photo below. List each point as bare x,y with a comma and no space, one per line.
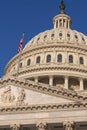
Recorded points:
62,7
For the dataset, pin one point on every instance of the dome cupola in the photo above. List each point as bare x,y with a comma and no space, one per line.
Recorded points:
62,20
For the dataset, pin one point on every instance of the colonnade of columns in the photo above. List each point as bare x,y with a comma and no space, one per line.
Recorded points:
66,82
62,23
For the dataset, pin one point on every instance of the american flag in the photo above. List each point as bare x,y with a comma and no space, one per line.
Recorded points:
21,43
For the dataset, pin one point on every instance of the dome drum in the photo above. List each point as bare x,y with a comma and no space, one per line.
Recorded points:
44,72
78,54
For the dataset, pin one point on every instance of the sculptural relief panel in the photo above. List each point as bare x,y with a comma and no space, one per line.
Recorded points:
11,95
7,96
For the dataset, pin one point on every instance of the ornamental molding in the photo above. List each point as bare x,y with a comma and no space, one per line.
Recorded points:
43,108
52,67
58,46
43,88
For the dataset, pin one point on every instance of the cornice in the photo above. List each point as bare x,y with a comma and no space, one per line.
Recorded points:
43,108
54,67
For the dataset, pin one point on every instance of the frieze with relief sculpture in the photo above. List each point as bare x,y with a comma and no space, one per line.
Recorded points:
75,87
21,97
60,85
7,97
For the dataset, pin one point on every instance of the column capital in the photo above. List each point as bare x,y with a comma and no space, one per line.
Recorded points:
67,77
41,125
15,126
51,76
80,78
69,125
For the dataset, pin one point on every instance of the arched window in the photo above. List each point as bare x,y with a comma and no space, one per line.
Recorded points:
70,59
20,65
81,61
48,59
38,60
52,35
59,58
28,62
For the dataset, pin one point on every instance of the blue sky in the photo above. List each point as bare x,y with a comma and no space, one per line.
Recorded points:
33,17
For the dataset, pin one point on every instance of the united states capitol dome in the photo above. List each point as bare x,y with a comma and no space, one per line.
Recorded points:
61,33
57,57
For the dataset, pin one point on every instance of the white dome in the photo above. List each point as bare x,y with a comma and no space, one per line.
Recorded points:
61,35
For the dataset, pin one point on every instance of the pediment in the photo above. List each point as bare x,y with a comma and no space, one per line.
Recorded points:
21,92
14,95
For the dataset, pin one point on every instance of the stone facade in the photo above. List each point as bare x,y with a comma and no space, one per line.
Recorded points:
49,91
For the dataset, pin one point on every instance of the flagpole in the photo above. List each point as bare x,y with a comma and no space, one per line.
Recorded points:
18,65
19,51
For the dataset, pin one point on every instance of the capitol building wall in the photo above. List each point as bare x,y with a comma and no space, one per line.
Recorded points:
47,90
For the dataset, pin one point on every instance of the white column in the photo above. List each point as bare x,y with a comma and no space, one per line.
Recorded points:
51,80
76,59
54,56
34,60
66,57
81,84
66,82
36,79
43,57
